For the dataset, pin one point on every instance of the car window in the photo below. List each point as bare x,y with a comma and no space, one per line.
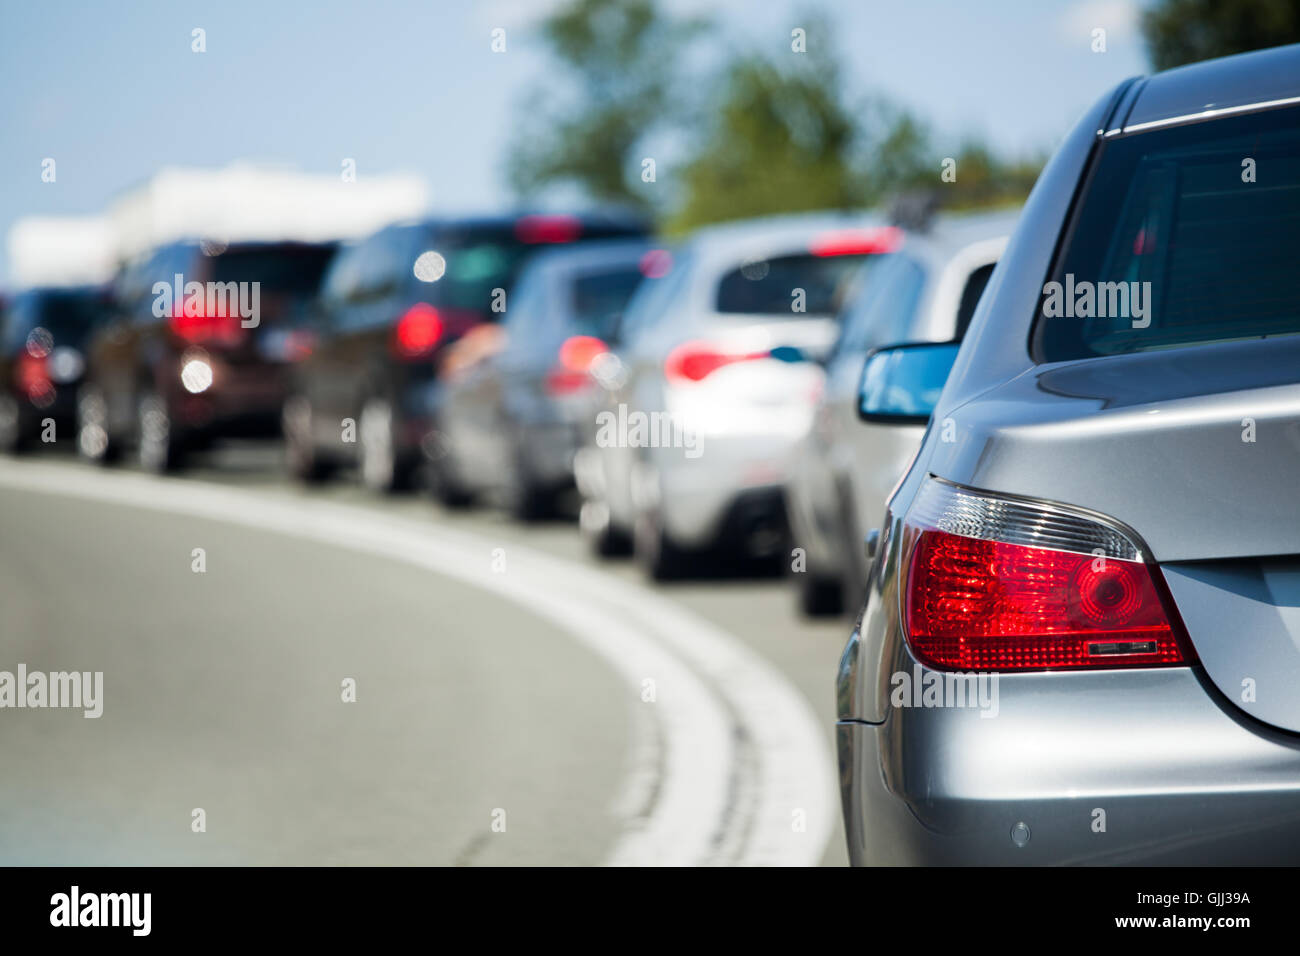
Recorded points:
1174,243
653,296
382,261
598,298
471,265
770,286
163,266
294,270
341,279
970,296
67,315
884,312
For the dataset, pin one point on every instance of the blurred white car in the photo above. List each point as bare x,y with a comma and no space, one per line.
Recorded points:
716,386
925,291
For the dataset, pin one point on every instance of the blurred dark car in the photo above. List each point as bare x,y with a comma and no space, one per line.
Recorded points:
395,309
178,366
512,421
43,334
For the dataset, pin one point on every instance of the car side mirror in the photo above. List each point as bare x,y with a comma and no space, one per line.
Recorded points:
901,385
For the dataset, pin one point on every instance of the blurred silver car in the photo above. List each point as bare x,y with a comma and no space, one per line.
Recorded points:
1082,636
926,291
713,392
512,419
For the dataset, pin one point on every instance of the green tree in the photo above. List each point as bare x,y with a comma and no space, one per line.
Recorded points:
781,141
620,60
1184,31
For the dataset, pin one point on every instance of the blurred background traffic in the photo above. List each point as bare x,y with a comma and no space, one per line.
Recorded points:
614,264
414,341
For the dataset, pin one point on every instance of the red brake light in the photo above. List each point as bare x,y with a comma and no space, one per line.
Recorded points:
534,229
974,602
215,327
857,242
577,355
695,361
417,332
32,375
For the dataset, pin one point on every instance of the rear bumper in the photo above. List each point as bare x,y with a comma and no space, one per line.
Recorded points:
243,400
1141,767
699,496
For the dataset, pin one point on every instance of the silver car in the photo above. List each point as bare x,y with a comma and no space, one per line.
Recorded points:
713,392
926,291
512,419
1082,636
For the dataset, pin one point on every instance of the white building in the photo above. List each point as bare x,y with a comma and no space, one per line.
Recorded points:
240,202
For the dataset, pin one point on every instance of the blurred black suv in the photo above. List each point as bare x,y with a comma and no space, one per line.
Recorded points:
43,334
197,348
395,310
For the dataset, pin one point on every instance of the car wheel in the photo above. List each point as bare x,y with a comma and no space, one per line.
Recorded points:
94,442
439,474
655,551
301,457
820,596
603,537
11,434
159,446
526,499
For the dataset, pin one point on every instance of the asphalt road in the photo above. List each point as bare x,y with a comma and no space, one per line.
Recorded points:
516,702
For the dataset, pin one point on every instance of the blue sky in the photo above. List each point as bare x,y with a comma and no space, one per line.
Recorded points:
113,91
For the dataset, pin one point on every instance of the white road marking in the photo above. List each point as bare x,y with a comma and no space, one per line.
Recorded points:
742,772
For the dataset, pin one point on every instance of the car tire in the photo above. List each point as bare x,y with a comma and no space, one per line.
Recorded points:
94,440
302,459
654,550
603,538
820,596
159,448
526,500
439,477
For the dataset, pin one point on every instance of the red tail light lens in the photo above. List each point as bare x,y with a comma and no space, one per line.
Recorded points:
32,375
214,327
539,229
577,355
1001,585
696,361
857,242
417,332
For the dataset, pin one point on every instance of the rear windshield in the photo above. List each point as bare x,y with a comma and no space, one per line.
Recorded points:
67,316
471,263
474,265
769,286
1184,236
291,270
599,299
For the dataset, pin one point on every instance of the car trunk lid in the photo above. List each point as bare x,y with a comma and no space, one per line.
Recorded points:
1197,450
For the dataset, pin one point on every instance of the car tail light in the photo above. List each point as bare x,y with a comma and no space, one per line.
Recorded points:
214,327
417,332
537,229
1001,584
857,242
32,375
696,361
577,356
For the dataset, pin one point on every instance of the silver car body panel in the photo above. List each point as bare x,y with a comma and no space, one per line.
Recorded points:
1152,765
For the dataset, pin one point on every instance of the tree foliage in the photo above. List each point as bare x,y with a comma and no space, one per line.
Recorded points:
1185,31
619,60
